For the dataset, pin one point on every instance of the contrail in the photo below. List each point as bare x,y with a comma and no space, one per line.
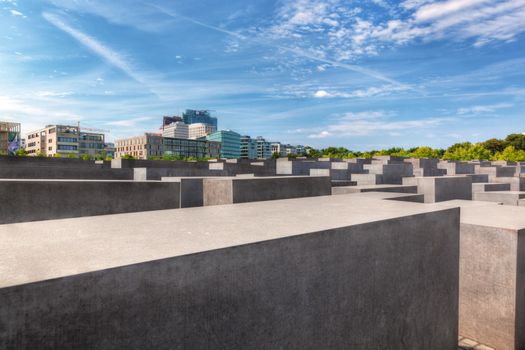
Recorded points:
298,52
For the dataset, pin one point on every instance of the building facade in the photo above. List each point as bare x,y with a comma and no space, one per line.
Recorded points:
280,149
194,116
248,147
264,148
152,145
199,130
177,130
9,137
230,140
64,140
109,149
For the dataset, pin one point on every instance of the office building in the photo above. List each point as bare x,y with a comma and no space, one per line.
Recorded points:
90,143
109,150
199,130
9,137
177,130
230,140
278,148
64,140
166,120
264,148
193,116
248,147
152,145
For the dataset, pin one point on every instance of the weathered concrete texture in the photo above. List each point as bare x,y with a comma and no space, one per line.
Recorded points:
444,188
367,179
374,188
492,270
263,275
334,174
191,190
64,172
240,190
426,167
32,200
286,166
478,178
499,171
457,168
392,173
31,162
488,187
337,183
503,197
395,196
517,183
156,174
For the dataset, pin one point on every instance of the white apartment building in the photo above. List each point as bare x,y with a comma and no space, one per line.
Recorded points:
200,130
178,130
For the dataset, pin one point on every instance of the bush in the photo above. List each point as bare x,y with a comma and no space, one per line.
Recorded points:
510,154
128,156
21,152
72,156
85,157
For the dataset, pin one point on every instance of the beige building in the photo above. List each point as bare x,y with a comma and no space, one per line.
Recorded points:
177,130
198,130
64,140
155,145
9,132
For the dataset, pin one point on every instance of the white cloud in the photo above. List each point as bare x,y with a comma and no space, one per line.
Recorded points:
371,122
16,13
362,93
483,108
321,94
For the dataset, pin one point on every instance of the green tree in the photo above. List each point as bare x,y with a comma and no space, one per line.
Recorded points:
495,145
85,157
128,156
40,154
425,152
516,140
467,151
510,154
21,152
275,155
57,155
72,155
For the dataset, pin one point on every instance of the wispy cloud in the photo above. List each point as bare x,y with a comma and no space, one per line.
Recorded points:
109,55
266,40
361,93
371,122
484,108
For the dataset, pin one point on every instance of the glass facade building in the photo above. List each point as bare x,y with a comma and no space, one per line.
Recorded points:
248,147
230,140
193,116
264,148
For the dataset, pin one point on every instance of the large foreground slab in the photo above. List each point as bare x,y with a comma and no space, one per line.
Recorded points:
371,274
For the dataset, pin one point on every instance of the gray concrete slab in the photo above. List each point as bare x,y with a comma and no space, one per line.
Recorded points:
219,191
263,275
374,188
444,188
64,172
32,200
396,196
517,183
503,197
492,270
488,187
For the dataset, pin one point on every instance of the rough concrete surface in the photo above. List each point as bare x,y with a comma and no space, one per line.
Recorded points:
32,200
249,276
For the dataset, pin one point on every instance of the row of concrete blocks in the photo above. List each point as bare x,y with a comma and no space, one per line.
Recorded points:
31,200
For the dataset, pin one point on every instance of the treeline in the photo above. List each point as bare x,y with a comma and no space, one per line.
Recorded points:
512,148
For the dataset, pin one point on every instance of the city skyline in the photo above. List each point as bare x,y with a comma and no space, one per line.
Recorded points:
361,75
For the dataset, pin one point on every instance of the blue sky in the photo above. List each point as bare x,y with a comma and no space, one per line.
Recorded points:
361,74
